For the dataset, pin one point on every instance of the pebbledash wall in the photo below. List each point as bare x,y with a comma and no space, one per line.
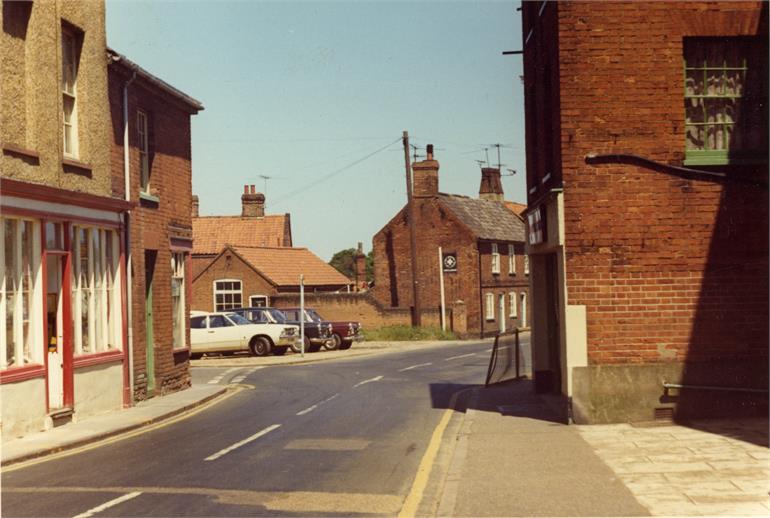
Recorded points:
62,270
642,273
159,139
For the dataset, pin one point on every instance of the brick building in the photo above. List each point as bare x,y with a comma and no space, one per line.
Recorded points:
252,228
489,271
249,276
646,136
63,347
151,157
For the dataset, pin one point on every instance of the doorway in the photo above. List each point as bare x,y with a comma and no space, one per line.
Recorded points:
54,339
150,257
552,320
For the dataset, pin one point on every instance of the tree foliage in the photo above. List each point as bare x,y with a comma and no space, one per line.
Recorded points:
344,262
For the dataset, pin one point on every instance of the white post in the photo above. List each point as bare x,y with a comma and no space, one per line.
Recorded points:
441,284
302,314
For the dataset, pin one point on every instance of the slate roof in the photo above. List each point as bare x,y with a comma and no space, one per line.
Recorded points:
489,220
283,266
212,233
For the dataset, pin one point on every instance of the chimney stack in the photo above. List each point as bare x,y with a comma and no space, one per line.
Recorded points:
425,176
360,265
491,187
252,202
195,206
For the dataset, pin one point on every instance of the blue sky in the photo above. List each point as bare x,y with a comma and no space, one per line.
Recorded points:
302,92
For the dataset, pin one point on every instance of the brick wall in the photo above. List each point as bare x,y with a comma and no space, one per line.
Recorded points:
669,268
228,266
153,224
435,227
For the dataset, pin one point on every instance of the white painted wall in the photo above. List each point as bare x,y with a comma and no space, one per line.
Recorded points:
22,407
98,389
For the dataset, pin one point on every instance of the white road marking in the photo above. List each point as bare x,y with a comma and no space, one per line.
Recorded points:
241,443
107,505
415,366
238,379
307,410
461,356
218,378
378,378
311,408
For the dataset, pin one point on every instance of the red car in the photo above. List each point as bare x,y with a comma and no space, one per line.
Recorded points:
344,333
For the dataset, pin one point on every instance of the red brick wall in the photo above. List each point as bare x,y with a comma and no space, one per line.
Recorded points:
669,268
228,266
435,227
153,224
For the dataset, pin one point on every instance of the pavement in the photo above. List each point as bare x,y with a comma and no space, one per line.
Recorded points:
510,453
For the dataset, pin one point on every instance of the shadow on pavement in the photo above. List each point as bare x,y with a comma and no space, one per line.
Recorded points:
514,398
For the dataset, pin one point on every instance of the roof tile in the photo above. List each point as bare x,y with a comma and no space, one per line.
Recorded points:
283,266
212,233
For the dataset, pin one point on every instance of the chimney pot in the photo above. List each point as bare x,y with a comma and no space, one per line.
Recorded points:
245,189
430,151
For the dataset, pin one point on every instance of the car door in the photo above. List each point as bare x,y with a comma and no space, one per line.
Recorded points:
199,334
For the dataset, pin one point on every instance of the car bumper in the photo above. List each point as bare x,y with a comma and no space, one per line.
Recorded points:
355,338
320,341
289,340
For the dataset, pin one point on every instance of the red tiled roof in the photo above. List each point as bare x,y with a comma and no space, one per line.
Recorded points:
283,266
212,233
516,208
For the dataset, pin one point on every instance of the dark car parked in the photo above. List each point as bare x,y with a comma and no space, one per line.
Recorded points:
317,334
344,333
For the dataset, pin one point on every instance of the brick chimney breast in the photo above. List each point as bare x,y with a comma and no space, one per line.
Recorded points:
425,176
491,187
252,203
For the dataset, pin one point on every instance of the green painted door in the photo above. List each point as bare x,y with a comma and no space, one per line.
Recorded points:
149,270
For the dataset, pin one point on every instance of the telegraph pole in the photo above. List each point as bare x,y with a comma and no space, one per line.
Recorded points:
416,320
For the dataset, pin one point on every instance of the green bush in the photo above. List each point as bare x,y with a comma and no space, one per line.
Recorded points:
402,333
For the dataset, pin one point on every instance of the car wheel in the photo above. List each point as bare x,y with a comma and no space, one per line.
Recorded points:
280,350
295,347
334,343
346,344
259,346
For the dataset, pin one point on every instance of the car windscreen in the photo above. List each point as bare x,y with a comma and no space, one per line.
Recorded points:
313,315
238,319
277,315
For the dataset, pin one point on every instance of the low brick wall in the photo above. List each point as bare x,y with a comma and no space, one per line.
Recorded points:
362,307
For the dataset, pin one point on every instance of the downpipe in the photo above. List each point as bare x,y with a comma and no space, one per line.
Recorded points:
129,254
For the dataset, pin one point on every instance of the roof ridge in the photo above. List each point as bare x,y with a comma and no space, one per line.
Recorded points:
271,247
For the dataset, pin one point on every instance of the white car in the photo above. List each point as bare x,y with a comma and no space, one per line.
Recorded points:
225,331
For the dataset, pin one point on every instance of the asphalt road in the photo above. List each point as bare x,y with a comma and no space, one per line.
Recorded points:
342,437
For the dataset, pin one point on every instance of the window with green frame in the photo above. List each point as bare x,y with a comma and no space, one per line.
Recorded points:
725,95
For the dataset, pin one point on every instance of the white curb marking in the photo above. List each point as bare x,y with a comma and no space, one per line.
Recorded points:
415,366
241,443
107,505
307,410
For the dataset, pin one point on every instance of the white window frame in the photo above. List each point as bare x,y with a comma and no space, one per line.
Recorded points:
143,146
101,283
264,297
217,291
29,346
512,305
495,259
511,260
69,53
526,264
489,307
178,301
523,299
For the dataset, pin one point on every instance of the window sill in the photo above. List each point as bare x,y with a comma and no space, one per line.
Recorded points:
88,360
28,154
71,165
148,199
16,374
706,160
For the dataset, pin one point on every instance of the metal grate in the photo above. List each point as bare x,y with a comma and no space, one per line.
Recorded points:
664,414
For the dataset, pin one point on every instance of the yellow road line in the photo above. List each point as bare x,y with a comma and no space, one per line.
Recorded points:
413,499
123,436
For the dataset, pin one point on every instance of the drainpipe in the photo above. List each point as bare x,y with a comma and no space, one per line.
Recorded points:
129,255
